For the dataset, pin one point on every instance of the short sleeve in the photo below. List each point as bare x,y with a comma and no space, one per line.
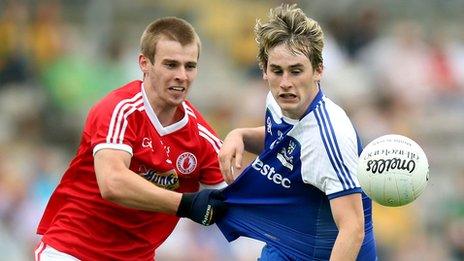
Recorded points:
330,162
111,124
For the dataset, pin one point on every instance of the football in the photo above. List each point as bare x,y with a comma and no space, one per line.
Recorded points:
393,170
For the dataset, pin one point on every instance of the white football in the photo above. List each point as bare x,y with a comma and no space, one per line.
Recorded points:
393,170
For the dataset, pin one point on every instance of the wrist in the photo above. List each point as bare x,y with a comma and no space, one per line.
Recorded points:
185,205
252,139
238,133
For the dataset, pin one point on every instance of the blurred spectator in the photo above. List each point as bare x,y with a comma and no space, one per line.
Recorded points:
400,61
45,38
447,64
454,218
356,29
14,65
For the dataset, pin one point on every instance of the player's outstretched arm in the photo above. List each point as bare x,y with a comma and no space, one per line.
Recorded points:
117,183
348,214
235,143
120,185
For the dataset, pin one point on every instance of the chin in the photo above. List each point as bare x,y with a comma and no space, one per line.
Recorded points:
290,110
288,106
177,100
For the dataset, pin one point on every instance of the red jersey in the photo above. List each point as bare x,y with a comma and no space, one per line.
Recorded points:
78,221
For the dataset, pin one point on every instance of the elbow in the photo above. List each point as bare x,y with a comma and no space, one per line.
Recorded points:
358,229
354,231
108,194
110,188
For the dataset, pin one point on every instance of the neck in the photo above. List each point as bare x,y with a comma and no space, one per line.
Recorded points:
168,115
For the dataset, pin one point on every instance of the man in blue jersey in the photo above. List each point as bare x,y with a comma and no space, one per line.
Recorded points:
300,195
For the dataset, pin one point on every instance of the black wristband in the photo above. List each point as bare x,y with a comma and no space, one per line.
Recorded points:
185,205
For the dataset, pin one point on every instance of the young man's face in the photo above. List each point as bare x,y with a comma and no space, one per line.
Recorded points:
292,80
173,71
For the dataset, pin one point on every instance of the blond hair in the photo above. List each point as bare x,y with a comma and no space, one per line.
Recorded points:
172,28
289,25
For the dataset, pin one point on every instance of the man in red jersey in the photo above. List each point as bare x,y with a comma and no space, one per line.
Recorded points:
144,152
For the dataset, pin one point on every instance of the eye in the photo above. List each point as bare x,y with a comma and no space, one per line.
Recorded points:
296,72
277,72
191,67
170,65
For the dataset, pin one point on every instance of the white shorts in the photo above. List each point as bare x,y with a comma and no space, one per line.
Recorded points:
44,252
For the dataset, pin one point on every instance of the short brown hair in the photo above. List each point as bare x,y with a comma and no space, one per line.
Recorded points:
289,24
173,28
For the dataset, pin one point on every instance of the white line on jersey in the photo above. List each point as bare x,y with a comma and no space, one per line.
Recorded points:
116,112
189,110
211,135
208,138
124,126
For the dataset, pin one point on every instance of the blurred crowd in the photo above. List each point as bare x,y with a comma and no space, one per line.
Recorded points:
395,66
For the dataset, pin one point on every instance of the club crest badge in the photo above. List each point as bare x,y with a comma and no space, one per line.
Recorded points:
285,155
186,163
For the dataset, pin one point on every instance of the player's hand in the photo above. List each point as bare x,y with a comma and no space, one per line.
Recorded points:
231,154
203,207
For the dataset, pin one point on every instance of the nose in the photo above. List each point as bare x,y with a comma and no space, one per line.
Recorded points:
181,74
285,82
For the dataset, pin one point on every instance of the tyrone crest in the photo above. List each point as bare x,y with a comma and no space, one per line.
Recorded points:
186,163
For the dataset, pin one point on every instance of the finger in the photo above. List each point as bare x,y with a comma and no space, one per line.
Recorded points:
222,165
231,176
238,158
225,164
230,171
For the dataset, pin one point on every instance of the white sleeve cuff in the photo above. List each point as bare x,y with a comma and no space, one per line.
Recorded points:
123,147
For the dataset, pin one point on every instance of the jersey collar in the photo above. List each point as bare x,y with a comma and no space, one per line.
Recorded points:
154,119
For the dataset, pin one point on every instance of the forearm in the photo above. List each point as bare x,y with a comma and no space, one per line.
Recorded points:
118,184
130,190
253,139
126,188
347,244
349,216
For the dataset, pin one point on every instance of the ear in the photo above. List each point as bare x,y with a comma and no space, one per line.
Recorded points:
264,76
318,73
143,63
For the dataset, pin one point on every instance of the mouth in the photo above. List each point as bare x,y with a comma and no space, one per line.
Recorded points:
177,88
287,96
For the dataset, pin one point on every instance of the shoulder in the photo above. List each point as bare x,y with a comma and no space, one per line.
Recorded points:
334,110
191,110
195,115
333,118
335,130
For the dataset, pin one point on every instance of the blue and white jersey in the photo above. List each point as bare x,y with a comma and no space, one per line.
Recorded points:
282,198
